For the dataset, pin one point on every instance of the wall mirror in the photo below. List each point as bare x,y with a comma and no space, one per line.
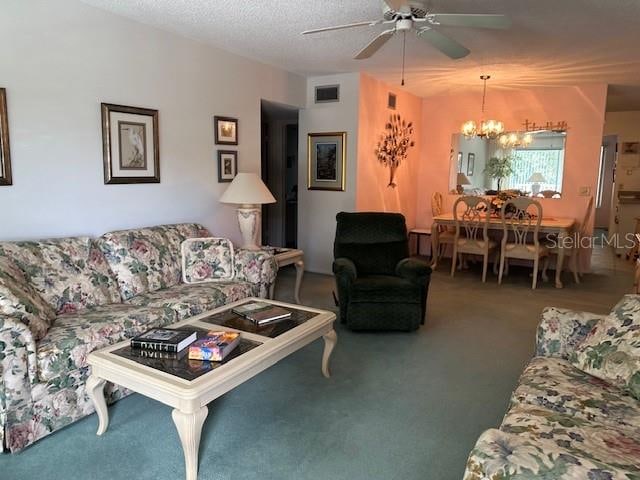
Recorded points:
532,164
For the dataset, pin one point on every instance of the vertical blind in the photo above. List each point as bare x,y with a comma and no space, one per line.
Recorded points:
548,162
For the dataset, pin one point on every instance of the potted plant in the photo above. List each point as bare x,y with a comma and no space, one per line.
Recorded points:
499,168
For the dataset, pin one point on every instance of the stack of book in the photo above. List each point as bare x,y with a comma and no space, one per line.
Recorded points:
172,344
262,313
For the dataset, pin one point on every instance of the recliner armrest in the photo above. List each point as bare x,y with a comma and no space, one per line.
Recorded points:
345,268
413,269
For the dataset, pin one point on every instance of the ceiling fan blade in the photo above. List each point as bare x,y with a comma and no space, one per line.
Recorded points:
446,45
340,27
396,5
472,20
375,45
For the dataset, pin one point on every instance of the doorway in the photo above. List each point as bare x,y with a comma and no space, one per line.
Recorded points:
279,158
606,178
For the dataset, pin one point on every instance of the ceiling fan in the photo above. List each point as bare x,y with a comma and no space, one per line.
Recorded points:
405,15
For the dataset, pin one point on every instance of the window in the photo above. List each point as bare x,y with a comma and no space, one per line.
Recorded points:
547,161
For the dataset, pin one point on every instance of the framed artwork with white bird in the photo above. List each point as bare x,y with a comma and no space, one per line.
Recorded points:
130,144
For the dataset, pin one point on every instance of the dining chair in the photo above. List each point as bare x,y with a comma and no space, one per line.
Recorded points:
445,234
521,218
471,217
573,251
549,194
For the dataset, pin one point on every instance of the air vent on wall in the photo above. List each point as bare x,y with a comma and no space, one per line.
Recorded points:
327,93
391,103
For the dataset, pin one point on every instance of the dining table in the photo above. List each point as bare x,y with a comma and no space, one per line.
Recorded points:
560,228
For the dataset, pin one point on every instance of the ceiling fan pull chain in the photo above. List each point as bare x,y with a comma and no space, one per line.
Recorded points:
404,41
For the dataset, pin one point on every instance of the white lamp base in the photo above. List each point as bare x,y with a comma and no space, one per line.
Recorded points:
535,189
249,221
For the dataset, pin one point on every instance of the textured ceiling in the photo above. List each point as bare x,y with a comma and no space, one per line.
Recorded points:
551,43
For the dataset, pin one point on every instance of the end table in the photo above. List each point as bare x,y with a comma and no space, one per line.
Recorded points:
288,256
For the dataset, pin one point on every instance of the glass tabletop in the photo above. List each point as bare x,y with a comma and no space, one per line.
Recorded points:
271,330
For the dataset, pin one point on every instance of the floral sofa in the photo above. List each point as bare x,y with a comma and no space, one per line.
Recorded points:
61,299
575,413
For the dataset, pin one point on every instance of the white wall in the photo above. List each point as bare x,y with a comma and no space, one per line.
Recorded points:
317,209
60,59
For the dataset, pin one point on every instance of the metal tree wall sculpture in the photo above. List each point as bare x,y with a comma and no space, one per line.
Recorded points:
394,144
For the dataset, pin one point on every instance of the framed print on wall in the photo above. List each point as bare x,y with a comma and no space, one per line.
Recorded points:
227,165
326,161
471,163
226,130
5,155
130,144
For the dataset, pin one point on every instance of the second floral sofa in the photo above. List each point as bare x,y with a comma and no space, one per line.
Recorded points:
61,299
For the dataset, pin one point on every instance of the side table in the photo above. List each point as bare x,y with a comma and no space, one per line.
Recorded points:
288,256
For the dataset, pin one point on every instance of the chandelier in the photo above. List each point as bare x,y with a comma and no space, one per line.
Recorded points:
515,139
488,128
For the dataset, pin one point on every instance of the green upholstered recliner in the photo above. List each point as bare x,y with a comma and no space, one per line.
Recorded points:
379,286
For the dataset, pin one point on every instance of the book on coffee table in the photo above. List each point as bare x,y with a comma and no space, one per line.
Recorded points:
214,346
164,339
262,313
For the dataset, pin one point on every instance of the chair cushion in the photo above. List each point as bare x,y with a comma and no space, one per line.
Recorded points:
208,259
188,300
611,350
384,289
74,336
147,259
18,299
69,273
555,384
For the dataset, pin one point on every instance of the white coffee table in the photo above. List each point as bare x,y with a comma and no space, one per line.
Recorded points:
188,386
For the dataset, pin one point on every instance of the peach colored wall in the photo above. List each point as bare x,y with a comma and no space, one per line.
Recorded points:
583,107
372,193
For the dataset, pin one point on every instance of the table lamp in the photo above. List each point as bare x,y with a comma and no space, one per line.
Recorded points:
249,192
461,180
536,179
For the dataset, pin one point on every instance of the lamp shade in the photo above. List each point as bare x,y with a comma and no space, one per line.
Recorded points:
536,177
247,189
462,179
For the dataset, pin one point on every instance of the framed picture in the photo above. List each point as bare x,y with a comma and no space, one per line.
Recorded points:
326,162
130,144
630,148
227,165
459,162
5,155
226,130
471,162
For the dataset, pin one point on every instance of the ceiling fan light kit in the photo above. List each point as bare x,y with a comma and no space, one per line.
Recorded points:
405,15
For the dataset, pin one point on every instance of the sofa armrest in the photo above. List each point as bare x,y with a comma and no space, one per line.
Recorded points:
18,372
561,330
258,267
413,269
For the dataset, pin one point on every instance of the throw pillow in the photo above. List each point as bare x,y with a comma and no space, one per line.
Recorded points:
208,259
19,299
611,351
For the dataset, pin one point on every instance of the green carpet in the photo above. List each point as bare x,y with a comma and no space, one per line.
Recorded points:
398,406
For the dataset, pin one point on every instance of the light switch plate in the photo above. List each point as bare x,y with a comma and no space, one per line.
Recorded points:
584,191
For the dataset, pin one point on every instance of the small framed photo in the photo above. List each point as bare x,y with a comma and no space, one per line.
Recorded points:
630,148
326,162
226,130
460,162
5,155
471,162
130,144
227,165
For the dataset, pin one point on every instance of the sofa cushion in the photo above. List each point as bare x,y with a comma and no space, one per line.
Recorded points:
500,455
557,385
189,300
578,438
207,259
73,336
611,350
69,273
147,259
18,299
384,289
